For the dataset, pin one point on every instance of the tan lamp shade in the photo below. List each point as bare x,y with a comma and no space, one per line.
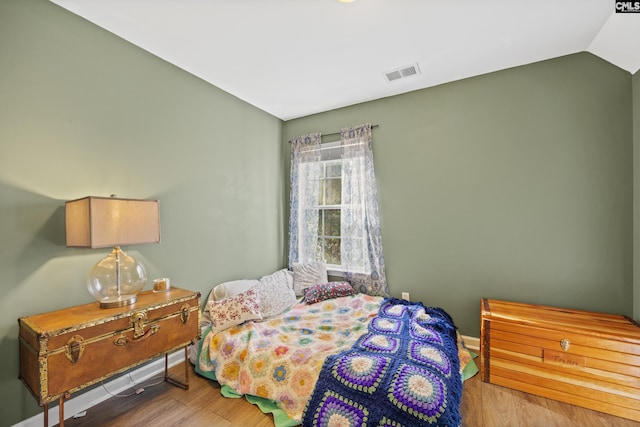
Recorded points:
100,222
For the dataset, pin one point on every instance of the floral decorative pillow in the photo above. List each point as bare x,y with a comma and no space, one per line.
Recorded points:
327,291
222,291
234,310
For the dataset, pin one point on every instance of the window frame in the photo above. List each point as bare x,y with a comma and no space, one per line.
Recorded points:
329,150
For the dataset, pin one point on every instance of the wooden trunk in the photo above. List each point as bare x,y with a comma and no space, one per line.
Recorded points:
67,350
583,358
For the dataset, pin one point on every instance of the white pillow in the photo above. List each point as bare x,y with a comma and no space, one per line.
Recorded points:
275,293
229,289
307,275
289,274
234,310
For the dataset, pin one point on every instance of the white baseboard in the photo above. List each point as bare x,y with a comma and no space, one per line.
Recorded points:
472,343
84,401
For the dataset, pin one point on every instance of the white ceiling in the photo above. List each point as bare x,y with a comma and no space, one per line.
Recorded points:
293,58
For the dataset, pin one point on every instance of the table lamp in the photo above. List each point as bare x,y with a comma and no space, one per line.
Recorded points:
100,222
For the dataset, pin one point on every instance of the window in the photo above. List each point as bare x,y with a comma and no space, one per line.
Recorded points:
331,212
334,208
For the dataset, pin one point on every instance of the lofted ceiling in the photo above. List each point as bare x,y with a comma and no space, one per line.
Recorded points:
293,58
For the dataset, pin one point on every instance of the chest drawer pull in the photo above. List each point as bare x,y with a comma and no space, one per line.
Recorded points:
185,312
74,348
124,340
565,344
137,321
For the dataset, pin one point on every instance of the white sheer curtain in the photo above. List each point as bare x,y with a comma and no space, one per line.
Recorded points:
305,179
361,256
361,237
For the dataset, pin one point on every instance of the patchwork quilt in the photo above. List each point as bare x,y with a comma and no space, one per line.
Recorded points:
280,359
346,360
403,372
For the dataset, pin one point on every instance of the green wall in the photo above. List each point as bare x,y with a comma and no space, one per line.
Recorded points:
83,112
514,185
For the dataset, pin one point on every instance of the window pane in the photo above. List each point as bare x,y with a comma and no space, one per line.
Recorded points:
321,192
320,249
332,222
333,192
332,251
334,170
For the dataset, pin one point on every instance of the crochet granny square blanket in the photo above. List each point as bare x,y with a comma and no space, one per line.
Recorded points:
403,372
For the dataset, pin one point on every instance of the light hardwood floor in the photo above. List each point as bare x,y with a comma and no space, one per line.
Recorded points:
483,405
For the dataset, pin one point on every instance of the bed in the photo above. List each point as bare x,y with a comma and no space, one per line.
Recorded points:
320,354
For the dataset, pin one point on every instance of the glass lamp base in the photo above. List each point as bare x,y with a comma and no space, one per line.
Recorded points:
116,280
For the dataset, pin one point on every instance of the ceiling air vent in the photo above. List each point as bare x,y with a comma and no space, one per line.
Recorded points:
401,73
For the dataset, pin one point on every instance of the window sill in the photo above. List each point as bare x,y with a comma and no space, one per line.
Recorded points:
335,273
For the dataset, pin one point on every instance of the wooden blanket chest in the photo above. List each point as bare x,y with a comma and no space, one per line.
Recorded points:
67,350
583,358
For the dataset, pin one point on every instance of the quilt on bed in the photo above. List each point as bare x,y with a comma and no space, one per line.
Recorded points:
279,359
404,371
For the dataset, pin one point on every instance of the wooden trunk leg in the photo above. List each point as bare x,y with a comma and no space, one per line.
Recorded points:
61,408
46,415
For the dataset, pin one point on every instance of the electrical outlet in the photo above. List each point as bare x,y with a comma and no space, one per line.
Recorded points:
405,296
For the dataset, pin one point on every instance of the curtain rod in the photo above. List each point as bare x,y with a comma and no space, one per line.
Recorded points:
337,133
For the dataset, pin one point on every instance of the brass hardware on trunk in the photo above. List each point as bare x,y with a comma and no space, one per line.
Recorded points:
185,312
565,344
137,321
124,340
74,348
